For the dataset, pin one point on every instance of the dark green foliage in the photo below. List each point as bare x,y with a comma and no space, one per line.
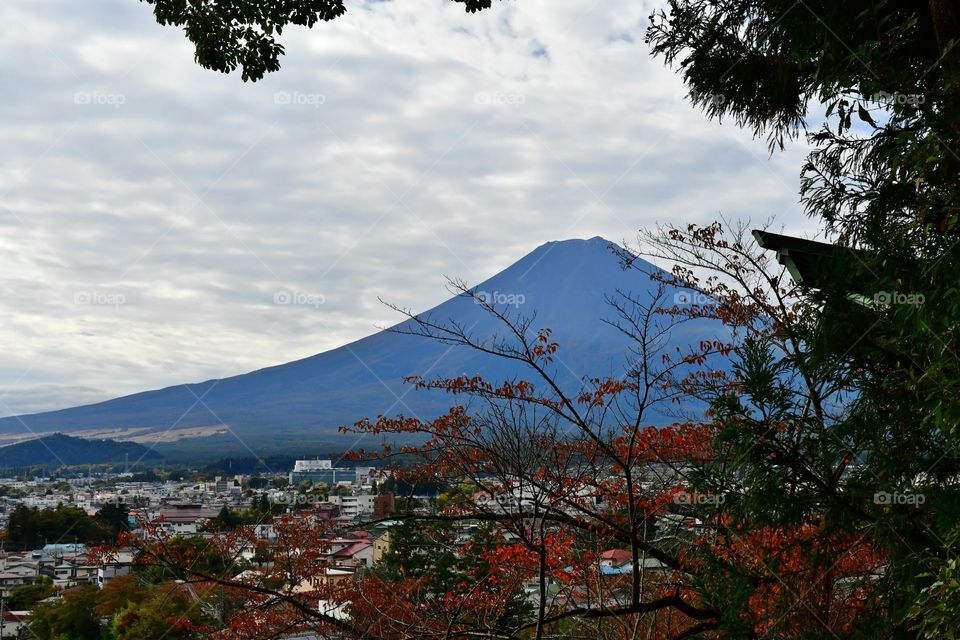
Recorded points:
126,609
261,505
258,482
70,618
58,450
405,487
229,519
25,597
882,177
226,519
10,492
157,617
420,549
241,33
433,552
472,6
115,517
30,528
251,465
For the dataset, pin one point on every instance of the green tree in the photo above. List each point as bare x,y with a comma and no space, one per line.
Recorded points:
131,609
257,482
227,519
243,33
423,550
170,614
881,318
428,552
23,598
30,528
70,618
341,490
115,517
261,504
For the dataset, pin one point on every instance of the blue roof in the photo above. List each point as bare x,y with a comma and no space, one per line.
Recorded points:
615,571
65,548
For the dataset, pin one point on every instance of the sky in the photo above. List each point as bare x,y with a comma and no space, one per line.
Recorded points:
161,223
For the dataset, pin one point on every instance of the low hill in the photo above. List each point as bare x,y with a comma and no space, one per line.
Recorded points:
59,450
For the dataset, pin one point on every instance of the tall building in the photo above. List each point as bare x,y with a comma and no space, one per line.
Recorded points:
324,471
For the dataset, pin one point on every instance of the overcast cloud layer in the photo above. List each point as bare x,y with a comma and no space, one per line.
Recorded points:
153,213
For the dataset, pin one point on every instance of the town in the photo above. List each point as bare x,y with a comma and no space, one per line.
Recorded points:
480,320
354,506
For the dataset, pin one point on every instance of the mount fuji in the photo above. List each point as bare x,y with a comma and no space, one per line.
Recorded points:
302,403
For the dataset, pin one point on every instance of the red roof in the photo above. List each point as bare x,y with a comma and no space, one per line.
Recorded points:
352,549
14,617
617,556
187,514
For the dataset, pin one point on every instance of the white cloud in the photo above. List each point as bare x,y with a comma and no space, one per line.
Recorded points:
152,209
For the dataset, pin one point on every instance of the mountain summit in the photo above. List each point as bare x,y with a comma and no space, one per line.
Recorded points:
566,284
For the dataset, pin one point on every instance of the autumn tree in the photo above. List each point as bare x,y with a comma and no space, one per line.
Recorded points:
126,608
765,504
170,613
882,180
726,470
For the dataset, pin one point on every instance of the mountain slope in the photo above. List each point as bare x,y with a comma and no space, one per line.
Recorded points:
565,283
58,450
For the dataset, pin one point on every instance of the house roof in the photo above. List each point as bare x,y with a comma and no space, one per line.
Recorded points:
811,263
186,514
16,616
65,548
617,556
616,571
352,549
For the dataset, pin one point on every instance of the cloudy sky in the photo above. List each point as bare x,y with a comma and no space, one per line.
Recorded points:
152,211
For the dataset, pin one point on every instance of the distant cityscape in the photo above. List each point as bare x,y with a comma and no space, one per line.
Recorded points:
350,501
344,495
